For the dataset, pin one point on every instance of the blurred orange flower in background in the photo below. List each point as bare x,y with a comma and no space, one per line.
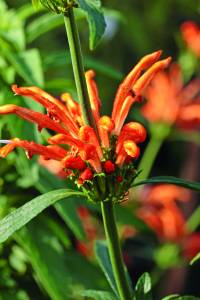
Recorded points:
191,35
169,101
161,212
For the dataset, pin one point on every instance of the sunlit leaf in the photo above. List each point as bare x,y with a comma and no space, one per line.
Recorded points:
21,216
42,25
99,295
195,259
28,65
143,288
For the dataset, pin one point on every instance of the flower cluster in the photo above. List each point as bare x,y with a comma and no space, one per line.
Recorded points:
99,160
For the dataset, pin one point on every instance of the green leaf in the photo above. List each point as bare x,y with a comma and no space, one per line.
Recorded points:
99,295
62,273
68,211
194,220
42,25
195,259
95,18
28,65
103,258
143,288
170,297
173,180
21,216
58,59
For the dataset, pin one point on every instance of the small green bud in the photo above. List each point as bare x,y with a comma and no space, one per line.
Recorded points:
58,6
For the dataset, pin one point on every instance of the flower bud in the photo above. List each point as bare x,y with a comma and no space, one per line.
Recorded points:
109,167
71,162
58,6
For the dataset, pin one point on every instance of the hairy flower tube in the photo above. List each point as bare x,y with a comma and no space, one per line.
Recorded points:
99,160
170,102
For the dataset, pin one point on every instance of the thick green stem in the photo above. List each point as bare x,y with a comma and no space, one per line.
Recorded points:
78,67
115,250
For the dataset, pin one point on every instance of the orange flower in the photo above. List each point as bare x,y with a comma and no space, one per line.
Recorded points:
160,211
191,35
88,151
170,102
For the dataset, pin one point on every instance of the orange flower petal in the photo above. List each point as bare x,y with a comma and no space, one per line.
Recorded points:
95,102
53,106
145,79
32,148
131,78
43,121
88,135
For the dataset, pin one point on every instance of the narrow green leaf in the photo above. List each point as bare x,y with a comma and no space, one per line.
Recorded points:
58,59
173,180
194,220
99,295
170,297
103,258
195,259
95,20
62,273
43,24
28,65
21,216
143,288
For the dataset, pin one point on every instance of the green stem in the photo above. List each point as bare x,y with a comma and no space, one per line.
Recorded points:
78,67
115,250
149,157
159,132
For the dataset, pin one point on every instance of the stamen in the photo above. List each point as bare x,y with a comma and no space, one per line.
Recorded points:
6,141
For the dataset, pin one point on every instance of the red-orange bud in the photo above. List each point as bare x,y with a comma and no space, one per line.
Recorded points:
86,175
135,131
131,149
106,123
109,167
119,178
71,162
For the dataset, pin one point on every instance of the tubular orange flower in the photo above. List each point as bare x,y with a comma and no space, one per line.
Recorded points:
191,35
168,101
82,151
160,211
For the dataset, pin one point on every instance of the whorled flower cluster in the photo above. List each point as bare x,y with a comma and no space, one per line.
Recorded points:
101,160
